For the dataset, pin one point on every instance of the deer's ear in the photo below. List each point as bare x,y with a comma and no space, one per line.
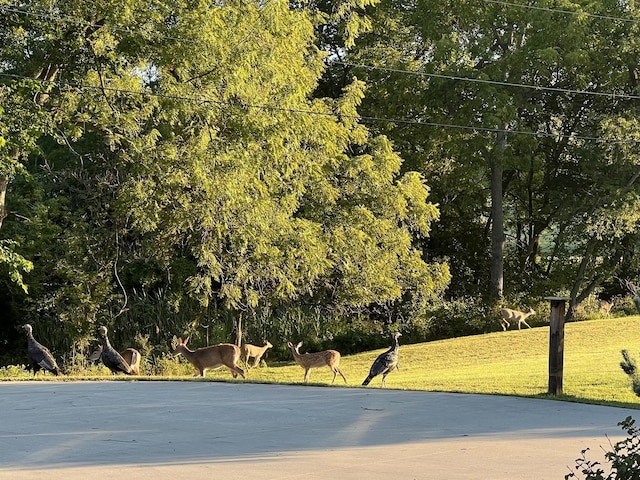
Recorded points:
299,345
186,340
289,344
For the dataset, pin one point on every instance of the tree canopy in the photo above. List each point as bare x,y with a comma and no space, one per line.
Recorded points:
559,82
180,148
313,167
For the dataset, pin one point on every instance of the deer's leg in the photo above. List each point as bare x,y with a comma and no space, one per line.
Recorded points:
235,370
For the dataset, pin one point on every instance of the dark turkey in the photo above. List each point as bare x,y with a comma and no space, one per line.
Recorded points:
385,363
110,356
130,355
39,356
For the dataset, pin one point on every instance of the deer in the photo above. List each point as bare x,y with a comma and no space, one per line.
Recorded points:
607,306
515,315
249,350
331,358
214,356
130,355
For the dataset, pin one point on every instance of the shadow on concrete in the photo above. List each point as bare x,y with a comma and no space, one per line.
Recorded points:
72,424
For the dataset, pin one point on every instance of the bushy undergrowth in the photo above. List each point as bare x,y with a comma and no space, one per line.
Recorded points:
170,366
164,365
623,459
14,371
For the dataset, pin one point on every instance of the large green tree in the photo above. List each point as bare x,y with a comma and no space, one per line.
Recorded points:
518,110
178,147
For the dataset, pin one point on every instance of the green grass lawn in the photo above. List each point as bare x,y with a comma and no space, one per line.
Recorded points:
507,363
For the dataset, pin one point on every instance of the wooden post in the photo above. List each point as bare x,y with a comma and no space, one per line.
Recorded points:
556,344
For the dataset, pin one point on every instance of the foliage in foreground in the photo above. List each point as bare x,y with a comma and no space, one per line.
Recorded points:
624,459
629,367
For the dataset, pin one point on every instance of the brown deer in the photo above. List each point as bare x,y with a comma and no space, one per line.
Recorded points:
606,306
252,351
515,315
214,356
130,355
331,358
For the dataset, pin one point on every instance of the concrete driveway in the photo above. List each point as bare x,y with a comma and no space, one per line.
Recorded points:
193,430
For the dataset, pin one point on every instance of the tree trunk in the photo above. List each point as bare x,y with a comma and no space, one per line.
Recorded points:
239,329
497,226
4,183
587,258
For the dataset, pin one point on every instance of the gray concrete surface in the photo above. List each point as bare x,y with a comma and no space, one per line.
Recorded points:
192,430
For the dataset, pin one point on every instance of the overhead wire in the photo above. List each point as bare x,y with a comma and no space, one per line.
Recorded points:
77,21
562,11
489,82
369,119
395,70
74,19
362,118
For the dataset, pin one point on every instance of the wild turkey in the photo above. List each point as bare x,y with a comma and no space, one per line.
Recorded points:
39,355
130,355
385,363
110,356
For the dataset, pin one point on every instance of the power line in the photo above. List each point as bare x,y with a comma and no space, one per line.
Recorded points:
79,85
70,19
127,30
76,21
492,130
490,82
73,19
370,67
366,119
564,12
360,118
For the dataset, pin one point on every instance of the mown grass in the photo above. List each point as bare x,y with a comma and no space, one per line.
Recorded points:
505,363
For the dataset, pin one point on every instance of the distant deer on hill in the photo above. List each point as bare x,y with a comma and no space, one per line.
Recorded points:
606,306
508,315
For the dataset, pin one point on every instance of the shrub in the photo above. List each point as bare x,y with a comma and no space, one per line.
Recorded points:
167,365
460,317
14,371
624,459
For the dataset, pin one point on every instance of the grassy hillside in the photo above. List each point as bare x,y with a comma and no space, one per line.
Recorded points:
512,363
